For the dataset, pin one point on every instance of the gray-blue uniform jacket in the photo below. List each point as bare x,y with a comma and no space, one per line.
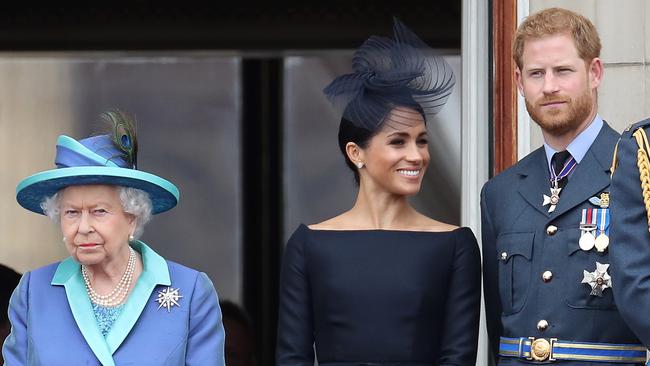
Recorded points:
630,240
533,266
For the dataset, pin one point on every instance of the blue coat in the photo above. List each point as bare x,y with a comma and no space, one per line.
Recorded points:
630,241
522,240
53,322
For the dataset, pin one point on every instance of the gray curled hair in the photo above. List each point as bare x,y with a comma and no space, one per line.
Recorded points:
134,201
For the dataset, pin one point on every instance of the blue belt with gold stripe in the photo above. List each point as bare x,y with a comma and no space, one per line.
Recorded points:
551,349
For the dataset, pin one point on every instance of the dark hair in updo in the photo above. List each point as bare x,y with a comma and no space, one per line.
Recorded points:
350,132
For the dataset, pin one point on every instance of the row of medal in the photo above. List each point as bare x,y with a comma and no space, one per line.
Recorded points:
594,229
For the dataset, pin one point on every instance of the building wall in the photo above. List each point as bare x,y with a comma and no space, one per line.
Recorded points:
35,107
188,117
624,28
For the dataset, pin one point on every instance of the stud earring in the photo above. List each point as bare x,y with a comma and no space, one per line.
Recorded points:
131,238
64,239
359,165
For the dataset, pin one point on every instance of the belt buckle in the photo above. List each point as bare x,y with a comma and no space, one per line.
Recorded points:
541,349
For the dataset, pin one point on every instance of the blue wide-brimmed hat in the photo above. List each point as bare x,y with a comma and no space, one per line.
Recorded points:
94,160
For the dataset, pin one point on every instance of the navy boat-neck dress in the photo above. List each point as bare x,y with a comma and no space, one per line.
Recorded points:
379,297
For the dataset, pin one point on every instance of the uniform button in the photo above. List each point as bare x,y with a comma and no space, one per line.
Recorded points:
551,230
547,276
542,325
504,256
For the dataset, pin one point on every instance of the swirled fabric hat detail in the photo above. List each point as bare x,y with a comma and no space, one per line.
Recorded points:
387,73
104,159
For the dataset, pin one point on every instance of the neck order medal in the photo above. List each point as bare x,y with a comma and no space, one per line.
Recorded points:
553,199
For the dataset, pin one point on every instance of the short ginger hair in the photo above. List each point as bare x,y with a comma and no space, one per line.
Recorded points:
554,21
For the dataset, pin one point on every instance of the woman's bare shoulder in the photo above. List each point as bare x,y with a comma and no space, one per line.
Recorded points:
425,223
339,222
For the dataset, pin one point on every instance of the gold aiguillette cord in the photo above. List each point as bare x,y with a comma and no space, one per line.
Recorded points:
643,163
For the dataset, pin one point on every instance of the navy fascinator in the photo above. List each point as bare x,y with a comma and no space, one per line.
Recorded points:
388,73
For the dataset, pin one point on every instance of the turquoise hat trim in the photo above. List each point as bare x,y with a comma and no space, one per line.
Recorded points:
31,191
94,160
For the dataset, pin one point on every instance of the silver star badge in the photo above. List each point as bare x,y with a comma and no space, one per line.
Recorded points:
553,199
168,297
599,280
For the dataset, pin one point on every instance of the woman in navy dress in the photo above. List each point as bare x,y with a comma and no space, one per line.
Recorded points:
382,284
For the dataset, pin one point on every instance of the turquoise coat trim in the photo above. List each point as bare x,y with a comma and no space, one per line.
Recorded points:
50,312
51,327
68,274
155,273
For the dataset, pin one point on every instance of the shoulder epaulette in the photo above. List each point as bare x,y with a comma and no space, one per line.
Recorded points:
633,126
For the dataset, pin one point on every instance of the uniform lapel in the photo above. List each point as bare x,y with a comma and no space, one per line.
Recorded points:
591,175
535,180
155,272
68,274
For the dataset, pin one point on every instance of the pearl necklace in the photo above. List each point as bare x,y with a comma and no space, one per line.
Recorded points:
118,294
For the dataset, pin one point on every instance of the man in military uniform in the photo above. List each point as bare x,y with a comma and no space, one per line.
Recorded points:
545,221
630,236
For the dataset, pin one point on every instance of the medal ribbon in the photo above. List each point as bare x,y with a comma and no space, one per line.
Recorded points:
566,170
594,216
589,217
586,217
604,221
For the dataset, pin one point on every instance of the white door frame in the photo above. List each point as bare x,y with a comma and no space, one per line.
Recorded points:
475,124
523,119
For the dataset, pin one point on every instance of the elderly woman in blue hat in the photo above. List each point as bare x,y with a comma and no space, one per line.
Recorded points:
114,301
